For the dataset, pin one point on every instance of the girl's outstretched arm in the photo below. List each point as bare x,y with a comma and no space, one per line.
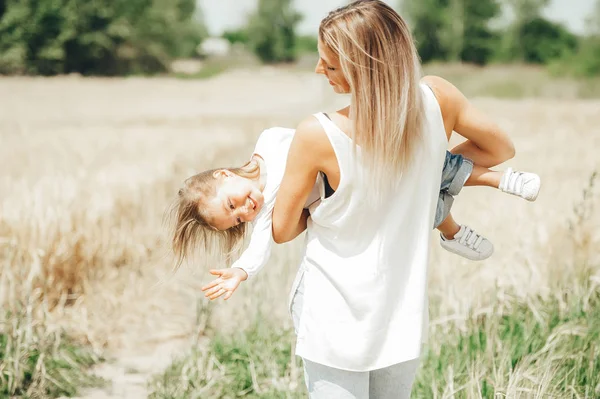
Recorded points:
487,144
308,150
225,284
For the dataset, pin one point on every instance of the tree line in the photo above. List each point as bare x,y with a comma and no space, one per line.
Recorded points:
472,31
117,37
96,37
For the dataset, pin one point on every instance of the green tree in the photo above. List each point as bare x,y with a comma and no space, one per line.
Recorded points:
104,37
453,29
272,31
523,13
452,32
32,32
542,41
428,23
479,39
526,10
586,61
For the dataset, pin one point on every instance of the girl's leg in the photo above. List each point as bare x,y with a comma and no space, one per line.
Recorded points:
449,227
481,176
327,382
522,184
394,382
464,241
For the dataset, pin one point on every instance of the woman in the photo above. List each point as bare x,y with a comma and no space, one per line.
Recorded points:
359,302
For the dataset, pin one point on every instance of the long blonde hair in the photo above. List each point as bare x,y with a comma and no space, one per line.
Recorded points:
380,62
191,228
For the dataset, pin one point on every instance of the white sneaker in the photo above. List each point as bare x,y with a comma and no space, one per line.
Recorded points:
468,244
522,184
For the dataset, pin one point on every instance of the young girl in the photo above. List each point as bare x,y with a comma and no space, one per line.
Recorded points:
222,202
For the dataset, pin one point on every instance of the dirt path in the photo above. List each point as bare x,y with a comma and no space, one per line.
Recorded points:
129,373
139,324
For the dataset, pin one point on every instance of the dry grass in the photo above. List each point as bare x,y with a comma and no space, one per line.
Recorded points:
90,165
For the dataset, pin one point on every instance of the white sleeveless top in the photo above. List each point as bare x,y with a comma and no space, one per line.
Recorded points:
365,272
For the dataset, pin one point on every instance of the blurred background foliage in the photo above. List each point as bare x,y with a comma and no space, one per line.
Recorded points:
120,37
103,37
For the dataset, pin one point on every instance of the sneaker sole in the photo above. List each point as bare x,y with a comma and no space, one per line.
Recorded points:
462,255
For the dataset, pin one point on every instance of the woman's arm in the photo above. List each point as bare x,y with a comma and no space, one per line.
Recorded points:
307,152
487,144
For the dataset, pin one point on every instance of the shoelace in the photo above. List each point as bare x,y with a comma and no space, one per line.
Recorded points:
470,239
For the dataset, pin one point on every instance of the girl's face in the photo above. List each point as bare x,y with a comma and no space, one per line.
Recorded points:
329,65
237,200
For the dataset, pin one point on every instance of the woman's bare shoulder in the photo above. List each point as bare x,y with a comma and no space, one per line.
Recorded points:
309,126
310,130
449,97
311,136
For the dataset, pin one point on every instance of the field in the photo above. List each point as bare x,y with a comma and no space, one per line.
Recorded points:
91,309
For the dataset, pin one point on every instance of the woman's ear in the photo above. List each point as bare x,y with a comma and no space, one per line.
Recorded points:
222,173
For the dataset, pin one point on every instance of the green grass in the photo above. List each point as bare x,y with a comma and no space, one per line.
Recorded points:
37,357
550,344
38,363
539,347
257,363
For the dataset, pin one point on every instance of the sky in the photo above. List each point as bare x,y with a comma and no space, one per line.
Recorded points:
221,15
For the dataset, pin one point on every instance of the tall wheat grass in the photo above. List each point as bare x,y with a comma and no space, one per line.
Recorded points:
90,166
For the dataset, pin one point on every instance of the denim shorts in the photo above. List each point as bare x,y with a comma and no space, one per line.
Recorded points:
457,170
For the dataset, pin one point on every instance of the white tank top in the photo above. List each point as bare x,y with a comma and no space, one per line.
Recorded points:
365,272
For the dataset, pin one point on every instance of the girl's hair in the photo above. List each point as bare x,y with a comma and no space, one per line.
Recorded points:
192,227
380,62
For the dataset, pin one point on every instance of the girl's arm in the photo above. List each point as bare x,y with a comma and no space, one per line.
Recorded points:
252,260
487,144
308,150
258,252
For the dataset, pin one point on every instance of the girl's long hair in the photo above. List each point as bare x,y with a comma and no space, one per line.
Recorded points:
191,222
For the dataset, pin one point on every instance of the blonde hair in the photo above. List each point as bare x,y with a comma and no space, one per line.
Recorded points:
379,60
191,221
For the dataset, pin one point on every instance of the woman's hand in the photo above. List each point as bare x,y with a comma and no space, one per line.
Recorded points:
228,281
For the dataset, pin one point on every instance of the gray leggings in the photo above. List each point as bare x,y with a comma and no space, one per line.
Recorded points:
394,382
323,382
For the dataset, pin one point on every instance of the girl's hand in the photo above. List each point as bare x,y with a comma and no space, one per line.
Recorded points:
228,281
